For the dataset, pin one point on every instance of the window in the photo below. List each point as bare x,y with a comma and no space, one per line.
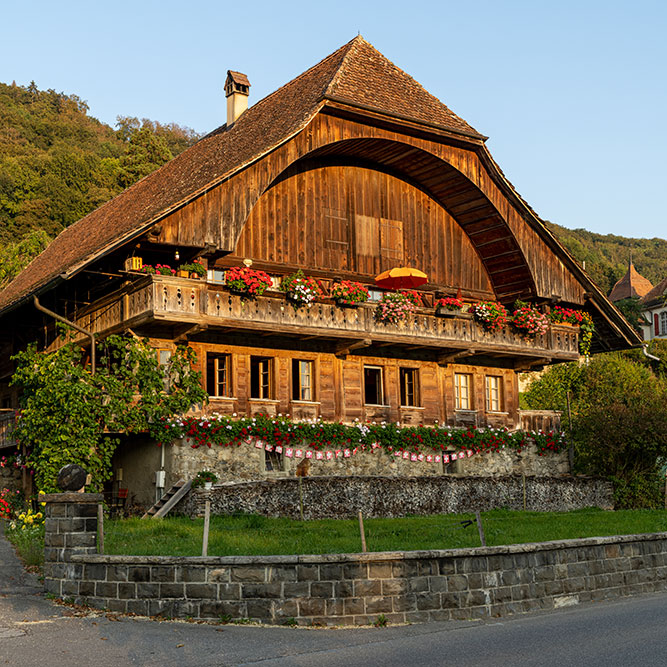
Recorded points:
409,379
663,323
462,391
164,360
218,374
373,387
494,393
261,377
273,462
302,380
216,275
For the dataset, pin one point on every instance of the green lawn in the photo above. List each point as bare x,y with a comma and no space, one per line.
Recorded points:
257,535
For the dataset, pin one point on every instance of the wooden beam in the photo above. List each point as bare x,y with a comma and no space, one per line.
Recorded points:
529,363
343,349
445,359
190,331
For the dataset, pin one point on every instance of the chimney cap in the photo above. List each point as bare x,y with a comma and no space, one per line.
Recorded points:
236,82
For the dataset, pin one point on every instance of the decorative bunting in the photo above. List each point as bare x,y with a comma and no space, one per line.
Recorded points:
288,452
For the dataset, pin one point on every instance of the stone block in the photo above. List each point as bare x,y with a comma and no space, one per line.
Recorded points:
69,588
417,616
80,540
378,605
544,573
331,572
117,605
117,572
104,589
201,591
403,603
502,594
405,569
509,578
428,567
380,570
221,574
163,574
229,591
400,586
145,590
300,589
260,609
322,589
335,607
86,588
161,608
249,574
139,607
425,601
476,579
477,597
457,582
282,573
224,608
355,571
172,590
127,591
418,584
343,589
54,540
353,606
451,600
367,587
191,574
311,607
446,566
185,608
261,590
283,609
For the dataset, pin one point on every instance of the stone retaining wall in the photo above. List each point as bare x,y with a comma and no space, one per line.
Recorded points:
339,589
10,478
340,497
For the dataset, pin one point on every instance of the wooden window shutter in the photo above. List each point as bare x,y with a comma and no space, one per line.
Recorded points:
336,239
391,241
367,243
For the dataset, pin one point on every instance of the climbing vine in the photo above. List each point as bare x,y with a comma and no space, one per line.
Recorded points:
70,415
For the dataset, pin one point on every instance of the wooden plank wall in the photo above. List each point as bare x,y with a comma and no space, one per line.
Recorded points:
220,217
381,222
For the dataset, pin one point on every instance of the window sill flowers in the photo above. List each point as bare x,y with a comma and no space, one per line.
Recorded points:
349,293
580,318
300,289
195,270
529,321
448,306
490,314
394,307
246,281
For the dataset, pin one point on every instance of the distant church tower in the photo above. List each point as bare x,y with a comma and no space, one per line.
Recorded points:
631,285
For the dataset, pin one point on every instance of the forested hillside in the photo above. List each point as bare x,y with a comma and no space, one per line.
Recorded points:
57,164
607,255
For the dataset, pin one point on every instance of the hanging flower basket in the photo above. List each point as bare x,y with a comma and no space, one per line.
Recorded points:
393,308
248,283
448,306
528,321
300,289
349,293
490,314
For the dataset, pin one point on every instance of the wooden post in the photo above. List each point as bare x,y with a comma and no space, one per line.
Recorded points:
478,518
207,520
666,489
100,528
363,534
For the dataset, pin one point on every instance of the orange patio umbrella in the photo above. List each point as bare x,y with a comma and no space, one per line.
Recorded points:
401,277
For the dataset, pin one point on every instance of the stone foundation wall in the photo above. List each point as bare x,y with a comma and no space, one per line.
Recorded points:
246,462
340,497
340,589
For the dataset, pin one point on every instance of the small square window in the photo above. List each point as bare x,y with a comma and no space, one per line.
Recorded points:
409,381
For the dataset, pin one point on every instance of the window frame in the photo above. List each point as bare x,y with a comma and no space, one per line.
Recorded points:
663,323
488,381
228,392
297,380
458,386
265,367
403,374
381,393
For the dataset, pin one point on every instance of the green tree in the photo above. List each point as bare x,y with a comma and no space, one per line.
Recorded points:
14,257
68,414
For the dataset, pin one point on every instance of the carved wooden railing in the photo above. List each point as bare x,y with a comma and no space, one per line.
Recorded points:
182,300
540,420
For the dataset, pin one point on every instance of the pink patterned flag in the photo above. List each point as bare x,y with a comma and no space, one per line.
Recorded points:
330,455
347,453
420,457
288,452
413,457
298,453
279,449
268,447
438,458
429,458
319,455
309,454
406,455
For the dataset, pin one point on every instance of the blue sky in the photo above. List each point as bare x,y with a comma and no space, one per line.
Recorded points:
573,95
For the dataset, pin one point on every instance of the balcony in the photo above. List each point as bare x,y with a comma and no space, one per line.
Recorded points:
197,304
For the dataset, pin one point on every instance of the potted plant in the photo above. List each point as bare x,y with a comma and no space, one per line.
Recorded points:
566,316
194,269
205,478
247,282
300,289
164,270
448,306
528,320
349,293
490,314
413,297
393,308
147,268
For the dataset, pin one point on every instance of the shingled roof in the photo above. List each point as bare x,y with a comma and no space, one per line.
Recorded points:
656,295
356,73
631,285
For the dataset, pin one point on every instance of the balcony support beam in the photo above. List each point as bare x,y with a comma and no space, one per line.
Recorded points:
343,349
446,359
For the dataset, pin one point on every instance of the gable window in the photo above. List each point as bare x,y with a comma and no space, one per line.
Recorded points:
302,380
462,391
409,381
494,393
218,374
373,385
261,377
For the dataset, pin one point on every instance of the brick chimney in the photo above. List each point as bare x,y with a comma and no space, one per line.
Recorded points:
237,89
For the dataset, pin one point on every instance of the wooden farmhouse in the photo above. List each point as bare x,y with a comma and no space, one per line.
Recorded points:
349,170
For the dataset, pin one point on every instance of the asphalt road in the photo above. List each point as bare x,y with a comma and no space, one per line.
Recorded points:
34,631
